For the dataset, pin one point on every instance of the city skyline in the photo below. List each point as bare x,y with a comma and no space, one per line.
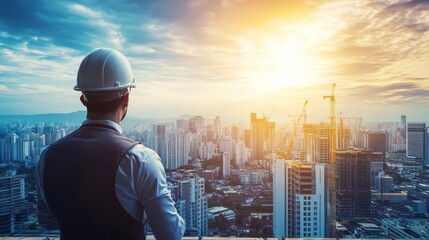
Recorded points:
225,58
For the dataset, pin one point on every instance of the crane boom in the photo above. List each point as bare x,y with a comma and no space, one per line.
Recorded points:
332,172
295,131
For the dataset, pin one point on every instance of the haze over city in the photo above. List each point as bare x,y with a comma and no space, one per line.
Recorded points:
225,57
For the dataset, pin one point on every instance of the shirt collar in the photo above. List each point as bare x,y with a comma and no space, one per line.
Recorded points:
104,122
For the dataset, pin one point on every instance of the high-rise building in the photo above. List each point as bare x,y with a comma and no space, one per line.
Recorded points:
226,166
247,138
353,183
217,127
416,140
196,124
12,203
323,149
182,124
403,121
300,200
191,201
344,136
161,145
310,142
234,133
262,136
317,142
377,142
427,148
10,148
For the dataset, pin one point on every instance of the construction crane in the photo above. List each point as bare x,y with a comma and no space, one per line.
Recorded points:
332,173
342,143
287,154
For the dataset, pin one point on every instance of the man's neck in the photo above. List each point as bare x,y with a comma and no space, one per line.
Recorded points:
104,116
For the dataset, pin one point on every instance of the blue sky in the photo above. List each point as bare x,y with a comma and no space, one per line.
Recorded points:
226,57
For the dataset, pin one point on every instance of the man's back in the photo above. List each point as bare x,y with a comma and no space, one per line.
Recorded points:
79,184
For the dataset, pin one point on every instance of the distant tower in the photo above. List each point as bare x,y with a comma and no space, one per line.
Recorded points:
324,139
161,145
234,133
217,127
353,183
404,121
416,140
377,142
310,144
11,148
262,136
300,200
226,160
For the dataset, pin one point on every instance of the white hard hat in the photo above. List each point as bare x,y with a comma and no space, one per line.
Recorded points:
104,69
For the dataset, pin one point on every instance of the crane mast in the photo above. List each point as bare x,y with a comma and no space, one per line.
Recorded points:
332,172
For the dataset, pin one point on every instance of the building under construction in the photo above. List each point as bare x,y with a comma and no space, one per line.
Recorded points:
353,198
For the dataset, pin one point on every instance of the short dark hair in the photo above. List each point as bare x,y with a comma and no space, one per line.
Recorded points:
104,107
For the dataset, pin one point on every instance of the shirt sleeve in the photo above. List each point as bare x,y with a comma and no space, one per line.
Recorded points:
44,215
149,181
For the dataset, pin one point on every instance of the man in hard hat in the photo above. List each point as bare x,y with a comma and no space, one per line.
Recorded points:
96,183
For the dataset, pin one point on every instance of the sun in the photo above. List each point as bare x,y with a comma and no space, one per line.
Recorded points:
286,58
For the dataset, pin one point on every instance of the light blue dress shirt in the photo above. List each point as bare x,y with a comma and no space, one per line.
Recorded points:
140,184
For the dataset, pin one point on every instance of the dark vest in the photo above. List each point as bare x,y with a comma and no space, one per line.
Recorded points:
79,185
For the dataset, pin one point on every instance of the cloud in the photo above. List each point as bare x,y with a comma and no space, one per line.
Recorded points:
224,52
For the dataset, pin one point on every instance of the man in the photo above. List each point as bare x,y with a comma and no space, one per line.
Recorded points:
95,183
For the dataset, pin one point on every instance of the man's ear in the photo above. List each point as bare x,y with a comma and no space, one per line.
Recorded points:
83,101
125,100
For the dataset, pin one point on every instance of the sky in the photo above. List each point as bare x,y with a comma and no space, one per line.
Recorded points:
224,57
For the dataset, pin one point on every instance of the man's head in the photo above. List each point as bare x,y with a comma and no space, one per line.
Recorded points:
105,78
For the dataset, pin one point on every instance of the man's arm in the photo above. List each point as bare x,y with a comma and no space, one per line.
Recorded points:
150,186
46,219
164,219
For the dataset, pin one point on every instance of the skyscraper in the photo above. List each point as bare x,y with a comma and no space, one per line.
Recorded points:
353,183
377,142
234,133
416,140
191,201
12,205
217,127
300,200
317,142
161,145
262,136
226,166
323,149
403,121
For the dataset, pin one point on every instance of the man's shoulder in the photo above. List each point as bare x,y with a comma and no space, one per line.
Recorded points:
144,153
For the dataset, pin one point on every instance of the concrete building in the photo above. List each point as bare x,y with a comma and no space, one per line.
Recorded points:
353,183
262,136
377,142
300,200
213,212
192,200
416,140
12,203
317,142
226,164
